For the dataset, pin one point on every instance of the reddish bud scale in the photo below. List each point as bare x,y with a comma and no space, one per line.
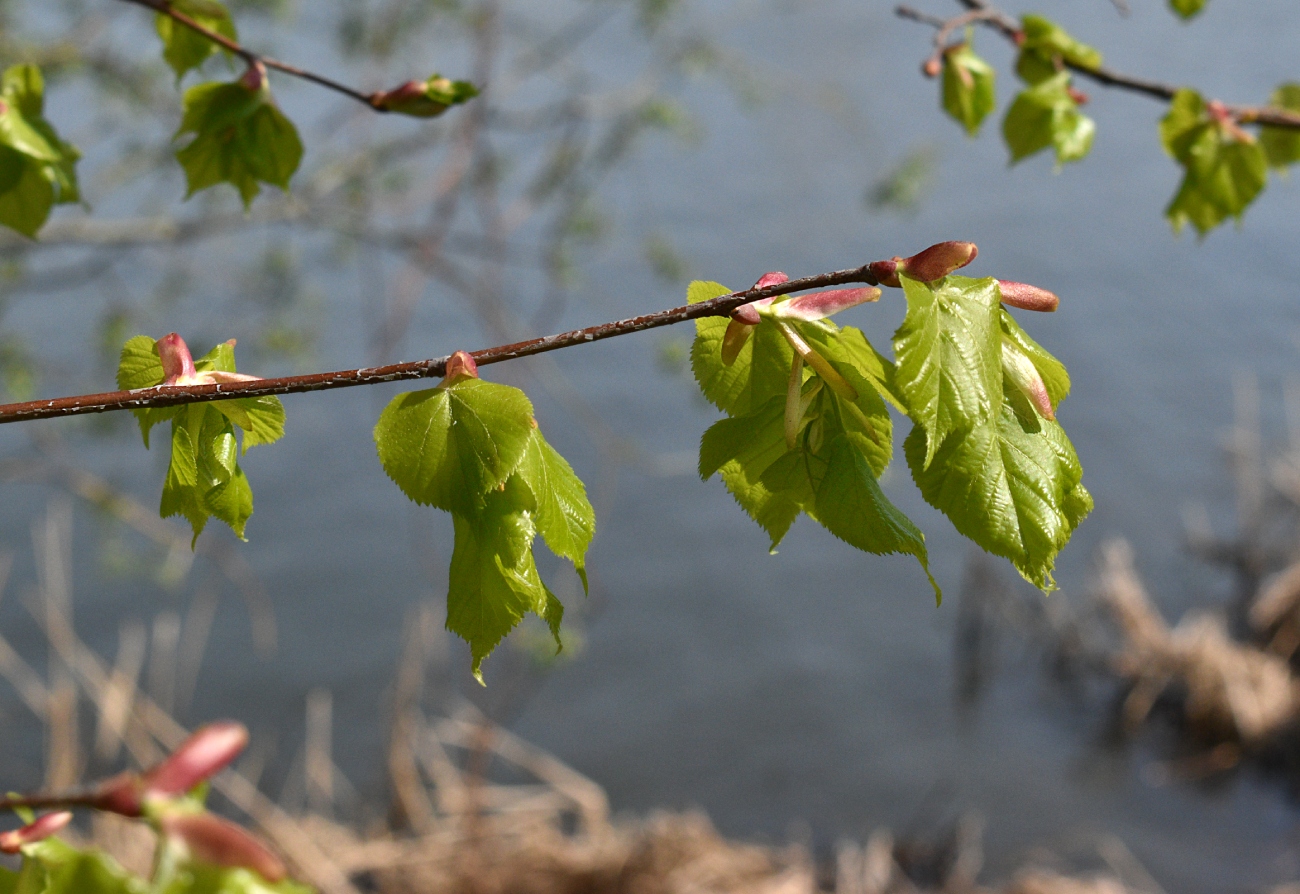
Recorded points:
820,305
207,838
254,78
12,842
1027,297
939,260
177,362
200,757
460,365
932,67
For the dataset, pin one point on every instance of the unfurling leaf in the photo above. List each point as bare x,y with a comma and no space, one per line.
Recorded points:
1044,115
424,99
473,448
968,87
37,169
204,478
1224,168
183,47
238,137
807,428
1047,47
1281,145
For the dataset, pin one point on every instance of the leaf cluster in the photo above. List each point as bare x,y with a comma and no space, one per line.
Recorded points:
979,451
37,168
204,479
473,448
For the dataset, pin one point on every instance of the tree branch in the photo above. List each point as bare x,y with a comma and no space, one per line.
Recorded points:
163,7
174,395
983,13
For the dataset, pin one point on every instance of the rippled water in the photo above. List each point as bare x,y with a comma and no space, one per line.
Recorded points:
816,684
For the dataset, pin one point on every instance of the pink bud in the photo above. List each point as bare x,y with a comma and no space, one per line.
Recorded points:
734,339
819,305
931,67
200,757
177,363
12,842
207,838
423,99
938,260
1025,376
1027,297
122,794
748,313
254,77
460,365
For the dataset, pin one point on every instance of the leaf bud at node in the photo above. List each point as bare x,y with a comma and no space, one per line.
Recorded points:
820,305
938,260
734,339
177,362
773,278
206,838
931,67
749,313
424,99
1025,376
12,842
200,757
1027,297
1080,98
460,365
122,794
254,77
886,272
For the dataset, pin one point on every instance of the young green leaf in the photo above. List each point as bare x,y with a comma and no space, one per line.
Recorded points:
238,137
1282,145
949,351
204,478
1047,47
1224,168
37,169
448,446
184,48
1187,8
54,867
968,87
1047,115
1052,370
563,514
759,371
1011,485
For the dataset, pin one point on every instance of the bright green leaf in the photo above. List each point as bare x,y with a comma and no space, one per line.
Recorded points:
1223,169
1281,145
563,514
949,351
493,580
239,137
54,867
199,878
1046,115
1046,47
851,505
261,418
968,87
760,371
448,446
184,48
37,169
1015,491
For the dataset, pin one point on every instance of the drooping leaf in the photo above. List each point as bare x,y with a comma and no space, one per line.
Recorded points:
1282,145
238,137
1224,169
493,581
1047,115
184,48
851,505
1015,490
448,446
563,513
968,87
949,350
1187,8
1047,47
37,168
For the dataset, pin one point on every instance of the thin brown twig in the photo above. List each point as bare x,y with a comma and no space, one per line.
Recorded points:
981,12
163,7
175,395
